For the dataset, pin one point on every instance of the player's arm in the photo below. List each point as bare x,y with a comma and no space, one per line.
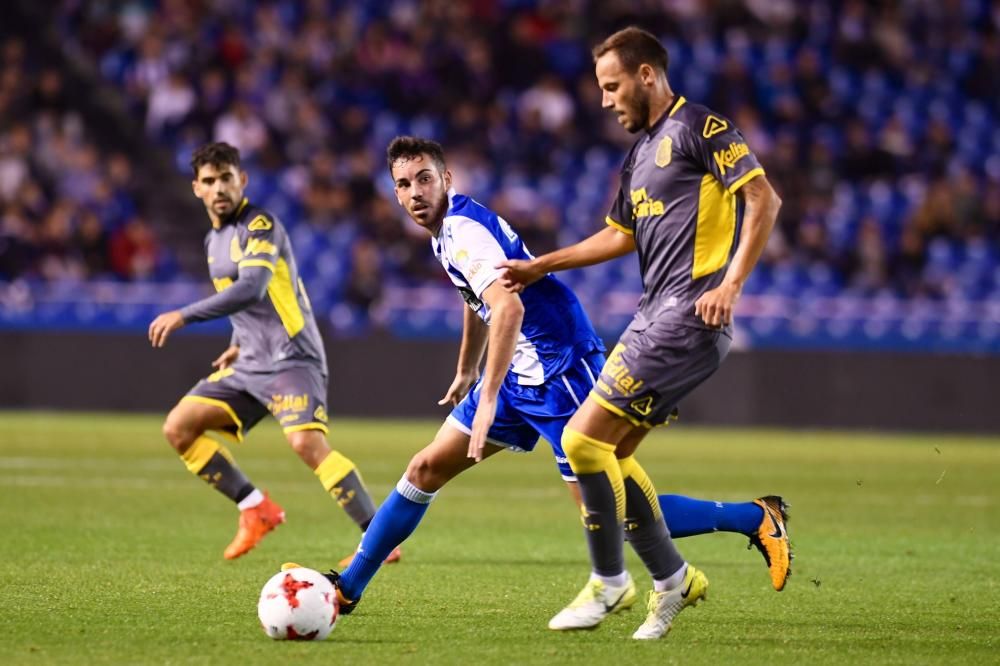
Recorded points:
249,288
475,333
506,316
715,307
608,243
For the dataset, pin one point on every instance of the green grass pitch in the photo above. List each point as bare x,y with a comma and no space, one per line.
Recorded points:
111,553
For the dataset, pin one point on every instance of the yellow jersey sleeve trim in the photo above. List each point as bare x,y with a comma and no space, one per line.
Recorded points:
616,225
746,178
224,406
618,411
677,106
257,262
307,426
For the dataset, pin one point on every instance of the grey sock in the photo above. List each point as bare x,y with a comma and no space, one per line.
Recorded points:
646,531
353,497
225,477
600,523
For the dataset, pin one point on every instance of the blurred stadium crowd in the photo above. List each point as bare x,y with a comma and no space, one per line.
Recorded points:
876,121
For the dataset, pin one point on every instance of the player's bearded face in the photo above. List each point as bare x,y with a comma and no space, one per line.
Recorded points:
422,190
636,109
220,188
622,93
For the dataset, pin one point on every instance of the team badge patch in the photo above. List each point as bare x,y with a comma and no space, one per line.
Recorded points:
259,223
714,126
664,152
235,251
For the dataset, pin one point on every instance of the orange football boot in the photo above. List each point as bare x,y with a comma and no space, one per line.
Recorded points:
255,523
771,539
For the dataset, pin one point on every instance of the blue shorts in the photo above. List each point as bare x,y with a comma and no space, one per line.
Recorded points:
526,412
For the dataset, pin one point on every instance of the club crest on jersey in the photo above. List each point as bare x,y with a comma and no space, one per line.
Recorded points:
713,126
664,151
259,223
235,251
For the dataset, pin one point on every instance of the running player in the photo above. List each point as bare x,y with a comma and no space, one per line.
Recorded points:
543,356
696,206
275,362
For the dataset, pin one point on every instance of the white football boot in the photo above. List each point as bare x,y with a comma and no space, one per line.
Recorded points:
595,602
663,607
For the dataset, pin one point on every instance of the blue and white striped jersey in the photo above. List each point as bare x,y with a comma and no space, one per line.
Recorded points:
555,331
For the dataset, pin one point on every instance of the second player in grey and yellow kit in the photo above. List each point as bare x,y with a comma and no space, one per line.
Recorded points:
275,363
695,206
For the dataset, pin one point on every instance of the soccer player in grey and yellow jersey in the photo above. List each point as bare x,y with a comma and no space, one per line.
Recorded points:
275,362
695,205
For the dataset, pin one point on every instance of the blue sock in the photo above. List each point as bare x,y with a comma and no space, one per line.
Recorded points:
687,517
394,521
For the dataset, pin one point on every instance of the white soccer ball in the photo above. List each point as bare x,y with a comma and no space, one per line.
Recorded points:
298,604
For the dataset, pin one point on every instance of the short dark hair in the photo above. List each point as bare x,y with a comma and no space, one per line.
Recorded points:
412,146
218,154
634,47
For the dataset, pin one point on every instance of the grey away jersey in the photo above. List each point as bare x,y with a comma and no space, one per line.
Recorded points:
678,197
252,267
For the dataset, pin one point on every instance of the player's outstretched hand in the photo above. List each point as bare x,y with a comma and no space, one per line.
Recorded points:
519,274
459,388
486,412
227,358
163,326
715,307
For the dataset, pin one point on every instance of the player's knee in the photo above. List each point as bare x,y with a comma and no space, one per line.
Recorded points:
586,455
423,472
310,446
178,433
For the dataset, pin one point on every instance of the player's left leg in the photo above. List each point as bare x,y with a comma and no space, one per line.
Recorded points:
296,397
339,477
685,516
429,470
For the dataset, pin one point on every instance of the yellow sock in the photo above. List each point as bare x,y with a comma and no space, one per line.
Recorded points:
631,469
342,480
587,455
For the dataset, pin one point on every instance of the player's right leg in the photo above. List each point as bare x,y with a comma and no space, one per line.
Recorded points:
216,403
589,441
762,520
429,470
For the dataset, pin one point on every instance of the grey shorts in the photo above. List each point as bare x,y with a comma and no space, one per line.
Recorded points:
654,366
296,396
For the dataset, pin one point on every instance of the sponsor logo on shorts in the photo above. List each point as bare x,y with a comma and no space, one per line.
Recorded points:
288,403
220,374
320,414
615,369
643,405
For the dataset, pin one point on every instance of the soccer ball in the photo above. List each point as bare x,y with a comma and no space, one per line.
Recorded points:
298,604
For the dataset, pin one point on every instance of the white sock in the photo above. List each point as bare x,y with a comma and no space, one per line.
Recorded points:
251,500
611,581
412,493
673,581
